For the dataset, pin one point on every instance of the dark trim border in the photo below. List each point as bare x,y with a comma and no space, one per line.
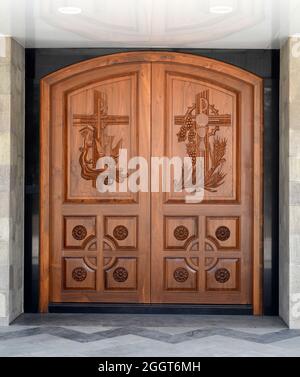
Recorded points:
150,309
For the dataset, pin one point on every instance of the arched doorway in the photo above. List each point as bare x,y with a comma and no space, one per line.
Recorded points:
151,247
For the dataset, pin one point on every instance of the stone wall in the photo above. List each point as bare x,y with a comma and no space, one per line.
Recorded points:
12,181
289,188
12,133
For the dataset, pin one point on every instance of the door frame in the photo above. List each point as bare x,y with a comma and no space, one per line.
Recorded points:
138,57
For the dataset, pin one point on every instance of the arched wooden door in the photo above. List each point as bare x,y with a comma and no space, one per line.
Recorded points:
151,247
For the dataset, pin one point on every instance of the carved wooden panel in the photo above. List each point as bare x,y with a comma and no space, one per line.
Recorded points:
199,114
101,247
181,274
101,119
181,233
78,275
79,231
202,122
100,242
224,274
120,232
223,232
121,273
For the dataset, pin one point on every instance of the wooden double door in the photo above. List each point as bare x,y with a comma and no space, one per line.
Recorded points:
150,247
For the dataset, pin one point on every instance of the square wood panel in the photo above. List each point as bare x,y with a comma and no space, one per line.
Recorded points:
121,274
78,275
181,232
78,230
223,232
121,232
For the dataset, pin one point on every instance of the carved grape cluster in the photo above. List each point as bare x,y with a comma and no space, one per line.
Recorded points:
182,133
187,129
192,151
192,135
189,122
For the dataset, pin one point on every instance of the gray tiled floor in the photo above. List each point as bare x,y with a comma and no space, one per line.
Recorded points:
147,335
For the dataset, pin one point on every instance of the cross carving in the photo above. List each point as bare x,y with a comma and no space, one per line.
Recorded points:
100,119
205,119
96,143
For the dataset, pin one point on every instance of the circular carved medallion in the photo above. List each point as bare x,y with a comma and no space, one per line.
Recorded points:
181,233
222,275
79,274
223,233
120,232
79,232
181,274
120,274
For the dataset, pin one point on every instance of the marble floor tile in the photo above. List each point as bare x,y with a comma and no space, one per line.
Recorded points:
131,335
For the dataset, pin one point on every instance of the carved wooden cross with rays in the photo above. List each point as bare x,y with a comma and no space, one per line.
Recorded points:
201,121
95,138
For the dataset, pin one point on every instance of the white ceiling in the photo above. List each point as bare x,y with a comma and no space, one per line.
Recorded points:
150,23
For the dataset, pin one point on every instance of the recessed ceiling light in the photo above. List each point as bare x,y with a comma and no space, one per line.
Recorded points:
221,9
70,10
